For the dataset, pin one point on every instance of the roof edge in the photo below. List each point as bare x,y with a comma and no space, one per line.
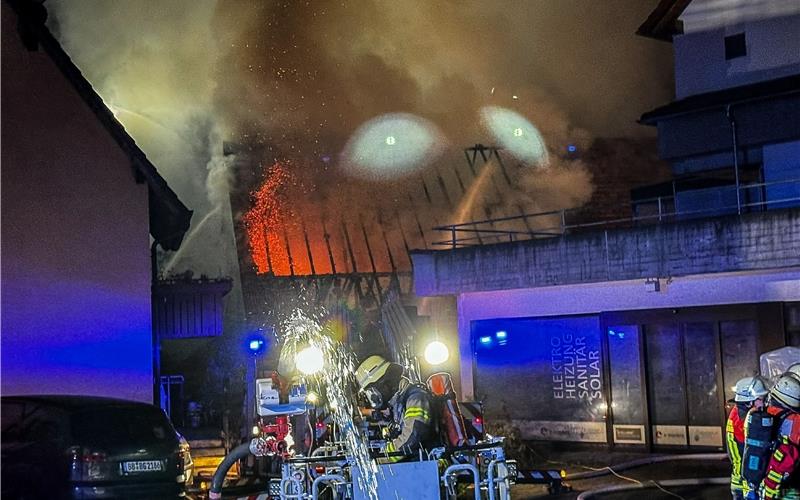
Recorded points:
719,98
663,23
169,217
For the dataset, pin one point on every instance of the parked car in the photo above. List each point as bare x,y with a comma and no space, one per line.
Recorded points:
89,447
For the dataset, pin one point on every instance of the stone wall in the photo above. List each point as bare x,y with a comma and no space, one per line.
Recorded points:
723,244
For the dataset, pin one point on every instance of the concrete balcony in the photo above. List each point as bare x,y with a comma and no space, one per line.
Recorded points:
737,243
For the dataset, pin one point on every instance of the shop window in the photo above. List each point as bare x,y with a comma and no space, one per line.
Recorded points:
627,401
739,352
792,317
543,375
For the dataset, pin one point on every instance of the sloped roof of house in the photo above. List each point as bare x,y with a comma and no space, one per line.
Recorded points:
169,217
663,22
720,98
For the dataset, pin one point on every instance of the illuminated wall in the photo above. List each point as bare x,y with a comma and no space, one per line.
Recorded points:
75,242
773,48
615,363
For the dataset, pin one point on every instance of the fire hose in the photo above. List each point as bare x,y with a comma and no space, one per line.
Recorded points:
646,461
238,453
587,495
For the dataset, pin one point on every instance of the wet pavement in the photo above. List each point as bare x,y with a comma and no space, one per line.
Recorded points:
583,461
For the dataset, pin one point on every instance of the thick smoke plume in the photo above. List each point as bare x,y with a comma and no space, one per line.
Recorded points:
292,81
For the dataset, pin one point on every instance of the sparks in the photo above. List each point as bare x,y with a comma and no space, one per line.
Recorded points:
265,222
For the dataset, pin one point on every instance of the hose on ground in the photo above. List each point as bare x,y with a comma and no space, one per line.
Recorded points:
645,461
706,481
231,458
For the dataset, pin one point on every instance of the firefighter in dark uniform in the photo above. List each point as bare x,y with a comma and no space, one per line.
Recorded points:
749,393
384,386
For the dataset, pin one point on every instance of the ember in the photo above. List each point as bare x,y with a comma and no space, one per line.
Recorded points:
265,223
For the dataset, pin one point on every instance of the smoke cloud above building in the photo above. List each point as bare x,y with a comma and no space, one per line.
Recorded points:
292,82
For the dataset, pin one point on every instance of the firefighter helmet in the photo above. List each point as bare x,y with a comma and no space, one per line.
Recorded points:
749,389
787,392
794,371
371,370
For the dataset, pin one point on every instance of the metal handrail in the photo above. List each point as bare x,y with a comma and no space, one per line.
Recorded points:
480,234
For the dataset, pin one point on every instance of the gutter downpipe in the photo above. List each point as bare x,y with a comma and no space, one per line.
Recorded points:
154,336
732,120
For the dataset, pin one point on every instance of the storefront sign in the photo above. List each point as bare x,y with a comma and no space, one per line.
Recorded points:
586,432
575,367
669,435
705,436
629,434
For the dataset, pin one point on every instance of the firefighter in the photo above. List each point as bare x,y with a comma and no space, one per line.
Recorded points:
782,479
384,386
749,393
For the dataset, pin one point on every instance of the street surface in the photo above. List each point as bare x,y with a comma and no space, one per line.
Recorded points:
645,474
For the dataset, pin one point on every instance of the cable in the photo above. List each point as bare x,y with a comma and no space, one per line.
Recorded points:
667,491
626,478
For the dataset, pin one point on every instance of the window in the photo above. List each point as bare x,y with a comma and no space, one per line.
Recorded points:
735,46
546,374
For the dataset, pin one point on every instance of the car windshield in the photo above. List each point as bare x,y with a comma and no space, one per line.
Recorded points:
121,425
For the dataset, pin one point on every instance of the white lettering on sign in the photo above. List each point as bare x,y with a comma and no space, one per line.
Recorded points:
575,368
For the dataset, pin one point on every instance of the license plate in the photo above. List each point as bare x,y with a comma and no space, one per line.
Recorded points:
142,466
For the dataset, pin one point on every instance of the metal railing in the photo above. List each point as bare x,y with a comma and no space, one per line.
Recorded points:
555,223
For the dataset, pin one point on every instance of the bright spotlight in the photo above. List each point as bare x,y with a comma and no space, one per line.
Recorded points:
312,397
516,134
391,146
310,360
436,353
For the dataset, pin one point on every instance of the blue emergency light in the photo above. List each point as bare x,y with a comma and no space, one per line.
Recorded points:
255,345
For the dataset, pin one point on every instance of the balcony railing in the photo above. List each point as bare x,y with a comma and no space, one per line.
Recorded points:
752,197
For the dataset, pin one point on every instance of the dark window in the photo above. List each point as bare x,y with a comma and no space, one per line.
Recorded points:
122,424
12,415
735,46
626,374
792,315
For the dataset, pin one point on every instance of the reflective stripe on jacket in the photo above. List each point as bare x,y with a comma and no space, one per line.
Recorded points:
734,441
411,408
782,473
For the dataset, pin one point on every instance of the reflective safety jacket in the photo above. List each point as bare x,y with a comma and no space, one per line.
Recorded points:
411,409
783,478
734,441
